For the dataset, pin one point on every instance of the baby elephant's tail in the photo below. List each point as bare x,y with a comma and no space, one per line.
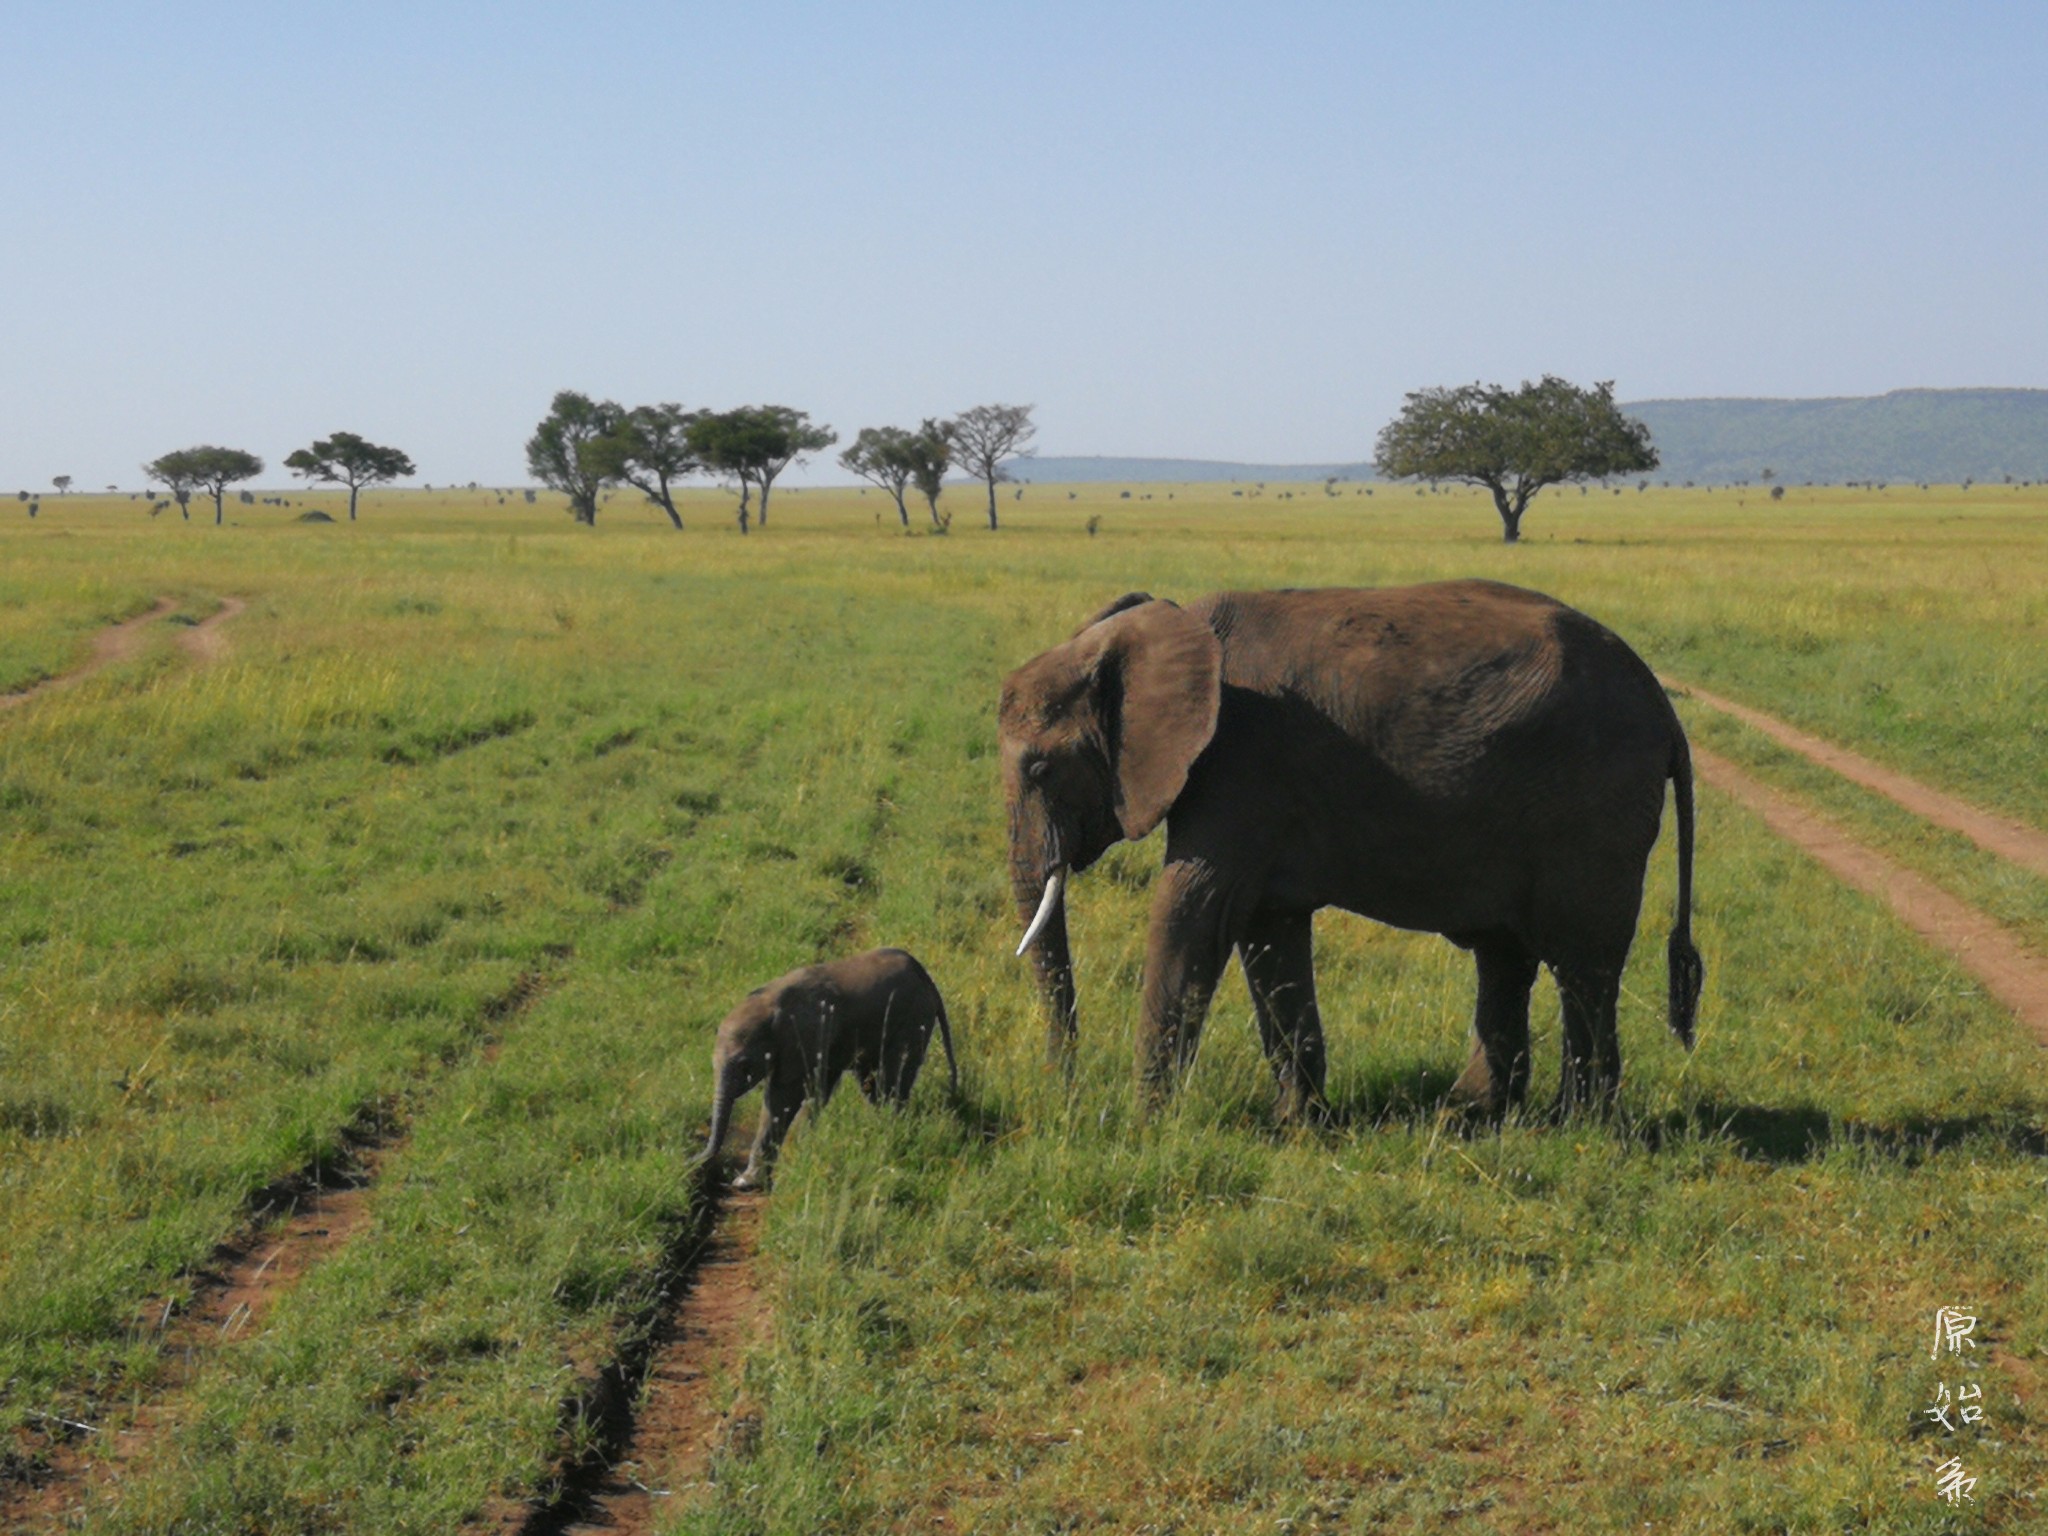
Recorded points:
1687,972
946,1039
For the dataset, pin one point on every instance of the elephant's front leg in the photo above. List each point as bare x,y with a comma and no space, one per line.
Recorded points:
783,1098
1278,955
1183,957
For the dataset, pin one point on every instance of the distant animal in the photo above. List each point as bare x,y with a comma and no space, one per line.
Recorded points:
871,1013
1463,758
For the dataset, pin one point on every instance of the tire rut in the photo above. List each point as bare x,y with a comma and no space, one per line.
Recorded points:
116,643
2011,840
203,642
659,1427
290,1227
2009,971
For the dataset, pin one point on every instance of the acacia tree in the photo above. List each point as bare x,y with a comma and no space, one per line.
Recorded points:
63,484
564,453
207,469
649,449
882,456
753,444
985,435
800,436
930,453
1513,442
346,459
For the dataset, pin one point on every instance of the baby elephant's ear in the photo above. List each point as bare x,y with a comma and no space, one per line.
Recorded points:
1160,682
1128,600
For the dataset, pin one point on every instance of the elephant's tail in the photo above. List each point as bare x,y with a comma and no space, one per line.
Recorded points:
1686,970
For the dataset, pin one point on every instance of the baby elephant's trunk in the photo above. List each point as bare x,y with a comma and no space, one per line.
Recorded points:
722,1096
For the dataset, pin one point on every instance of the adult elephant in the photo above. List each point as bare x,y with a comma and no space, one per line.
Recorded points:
1463,758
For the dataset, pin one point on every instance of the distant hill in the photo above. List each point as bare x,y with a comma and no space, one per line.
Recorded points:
1942,436
1092,471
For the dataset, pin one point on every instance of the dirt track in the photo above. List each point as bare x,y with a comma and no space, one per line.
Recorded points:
2008,839
2013,974
677,1426
203,642
230,1297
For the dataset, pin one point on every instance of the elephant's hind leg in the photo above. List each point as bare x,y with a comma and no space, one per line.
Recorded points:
902,1059
1278,955
1590,1076
1497,1074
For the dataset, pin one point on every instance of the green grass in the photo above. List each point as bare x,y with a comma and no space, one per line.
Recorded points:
247,908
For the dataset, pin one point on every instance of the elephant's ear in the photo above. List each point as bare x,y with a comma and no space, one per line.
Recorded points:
1128,600
1161,682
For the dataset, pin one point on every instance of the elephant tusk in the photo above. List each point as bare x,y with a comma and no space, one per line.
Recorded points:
1046,904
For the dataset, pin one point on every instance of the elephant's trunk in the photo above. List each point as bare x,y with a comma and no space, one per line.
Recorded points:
722,1096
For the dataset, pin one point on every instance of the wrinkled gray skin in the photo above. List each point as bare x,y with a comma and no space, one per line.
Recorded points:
1462,758
871,1014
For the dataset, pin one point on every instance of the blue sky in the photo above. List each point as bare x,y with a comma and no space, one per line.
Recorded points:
1201,230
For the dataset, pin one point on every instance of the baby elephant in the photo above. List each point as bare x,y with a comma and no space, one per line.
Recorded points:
872,1012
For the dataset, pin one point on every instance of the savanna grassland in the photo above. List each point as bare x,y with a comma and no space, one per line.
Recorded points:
485,820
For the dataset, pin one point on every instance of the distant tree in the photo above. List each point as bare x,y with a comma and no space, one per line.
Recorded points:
736,445
63,484
1777,493
752,444
801,437
346,459
564,453
884,456
983,436
207,469
1513,442
930,454
648,448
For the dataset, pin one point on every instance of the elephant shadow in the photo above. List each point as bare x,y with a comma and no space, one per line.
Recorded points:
1414,1094
1400,1093
1788,1134
981,1117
